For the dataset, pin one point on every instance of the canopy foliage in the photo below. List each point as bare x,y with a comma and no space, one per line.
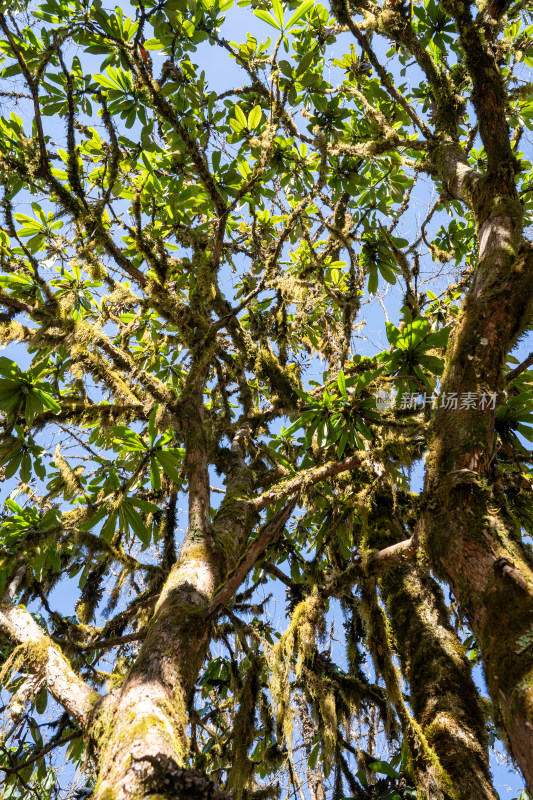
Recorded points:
198,231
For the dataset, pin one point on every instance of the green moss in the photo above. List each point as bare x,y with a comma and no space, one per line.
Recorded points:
281,380
101,727
108,794
490,204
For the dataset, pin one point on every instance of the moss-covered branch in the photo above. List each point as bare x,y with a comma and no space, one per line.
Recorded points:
44,658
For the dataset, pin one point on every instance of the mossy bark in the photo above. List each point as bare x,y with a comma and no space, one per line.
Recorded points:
144,722
138,732
443,695
423,765
492,579
470,538
443,725
45,659
471,541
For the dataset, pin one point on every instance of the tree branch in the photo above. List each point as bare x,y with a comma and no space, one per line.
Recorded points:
393,555
303,479
265,538
46,749
45,658
526,363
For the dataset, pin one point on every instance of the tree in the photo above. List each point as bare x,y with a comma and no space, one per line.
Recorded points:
186,263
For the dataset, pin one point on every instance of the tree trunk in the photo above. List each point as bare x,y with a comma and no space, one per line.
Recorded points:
447,731
139,731
472,541
443,695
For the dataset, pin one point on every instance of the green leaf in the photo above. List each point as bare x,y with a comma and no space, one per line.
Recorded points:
341,382
417,329
14,281
313,756
106,82
361,777
152,429
304,395
305,62
31,407
169,464
136,523
278,11
94,519
301,422
41,701
8,368
310,432
392,332
155,476
8,402
367,433
13,465
434,364
322,433
126,437
266,17
144,505
372,281
254,117
48,401
526,431
438,338
25,468
343,440
281,459
344,540
240,116
108,529
387,273
384,769
236,126
299,13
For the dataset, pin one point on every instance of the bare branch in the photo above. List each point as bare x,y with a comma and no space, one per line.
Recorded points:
47,749
518,370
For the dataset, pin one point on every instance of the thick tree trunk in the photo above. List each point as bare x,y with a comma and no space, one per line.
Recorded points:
475,547
471,539
472,542
443,695
446,731
139,731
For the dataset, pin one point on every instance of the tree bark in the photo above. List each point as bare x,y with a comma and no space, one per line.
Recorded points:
471,539
139,731
445,729
443,695
45,660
